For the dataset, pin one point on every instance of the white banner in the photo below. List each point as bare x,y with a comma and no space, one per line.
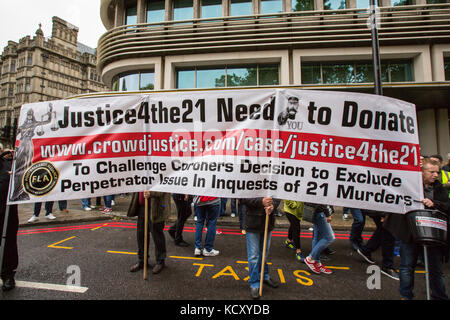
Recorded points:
346,149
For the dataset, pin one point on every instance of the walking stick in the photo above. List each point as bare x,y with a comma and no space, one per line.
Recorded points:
145,238
266,228
427,275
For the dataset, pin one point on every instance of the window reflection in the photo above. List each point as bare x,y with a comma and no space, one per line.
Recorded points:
211,8
183,10
155,11
240,7
134,81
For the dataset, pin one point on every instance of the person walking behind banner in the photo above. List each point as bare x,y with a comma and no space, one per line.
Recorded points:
294,214
107,208
359,221
158,210
37,210
254,223
323,236
207,210
11,255
444,176
380,237
436,198
184,210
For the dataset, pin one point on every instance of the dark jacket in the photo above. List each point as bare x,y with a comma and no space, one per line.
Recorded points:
255,215
398,225
5,167
159,206
327,209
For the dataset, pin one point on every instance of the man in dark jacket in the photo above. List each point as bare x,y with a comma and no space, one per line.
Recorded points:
158,207
254,222
435,197
11,257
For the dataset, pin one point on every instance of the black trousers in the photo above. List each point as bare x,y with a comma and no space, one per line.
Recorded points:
183,212
384,239
294,230
11,255
157,232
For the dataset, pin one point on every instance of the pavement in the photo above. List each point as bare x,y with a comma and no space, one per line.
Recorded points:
77,215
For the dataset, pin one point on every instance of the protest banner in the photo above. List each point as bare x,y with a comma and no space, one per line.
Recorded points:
338,148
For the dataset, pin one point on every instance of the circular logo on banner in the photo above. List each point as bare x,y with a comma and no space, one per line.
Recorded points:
40,179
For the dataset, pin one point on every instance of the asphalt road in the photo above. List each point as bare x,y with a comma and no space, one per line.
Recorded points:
94,258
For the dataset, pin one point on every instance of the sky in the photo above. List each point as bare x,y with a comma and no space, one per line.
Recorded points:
20,18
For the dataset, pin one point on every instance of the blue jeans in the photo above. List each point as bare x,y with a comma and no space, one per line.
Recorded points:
206,214
86,203
323,235
107,200
409,253
48,208
255,245
359,221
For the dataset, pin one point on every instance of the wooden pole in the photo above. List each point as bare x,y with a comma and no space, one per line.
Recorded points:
266,228
145,238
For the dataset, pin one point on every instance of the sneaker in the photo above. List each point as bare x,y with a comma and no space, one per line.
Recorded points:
107,210
313,265
366,257
345,216
243,232
87,209
233,215
50,216
391,273
33,219
323,269
289,245
299,256
198,252
211,253
113,203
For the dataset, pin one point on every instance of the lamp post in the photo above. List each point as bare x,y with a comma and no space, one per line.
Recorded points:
375,48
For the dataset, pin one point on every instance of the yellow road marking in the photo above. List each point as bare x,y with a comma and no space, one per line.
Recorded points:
121,252
104,225
187,258
246,262
54,245
338,268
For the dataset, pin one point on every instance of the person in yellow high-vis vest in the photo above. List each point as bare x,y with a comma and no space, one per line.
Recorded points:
444,176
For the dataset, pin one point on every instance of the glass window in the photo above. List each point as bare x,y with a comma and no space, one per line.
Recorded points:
268,75
400,71
211,8
302,5
271,6
355,72
333,4
183,10
231,76
155,11
134,81
395,3
437,1
210,78
338,73
311,73
242,76
147,81
447,68
131,15
240,7
185,79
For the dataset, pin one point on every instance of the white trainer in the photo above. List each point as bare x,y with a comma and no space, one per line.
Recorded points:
211,253
33,219
198,252
50,216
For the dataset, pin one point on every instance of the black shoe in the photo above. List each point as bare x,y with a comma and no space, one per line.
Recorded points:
391,273
329,251
8,284
366,257
254,292
138,266
171,233
271,283
158,268
182,243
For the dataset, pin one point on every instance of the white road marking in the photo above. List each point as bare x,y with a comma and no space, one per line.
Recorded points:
50,286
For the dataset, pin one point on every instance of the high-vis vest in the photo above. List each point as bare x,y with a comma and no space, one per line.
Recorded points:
445,178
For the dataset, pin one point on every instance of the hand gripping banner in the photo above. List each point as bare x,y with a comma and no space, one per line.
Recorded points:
347,149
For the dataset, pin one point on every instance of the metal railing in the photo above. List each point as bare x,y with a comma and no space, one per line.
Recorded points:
304,29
